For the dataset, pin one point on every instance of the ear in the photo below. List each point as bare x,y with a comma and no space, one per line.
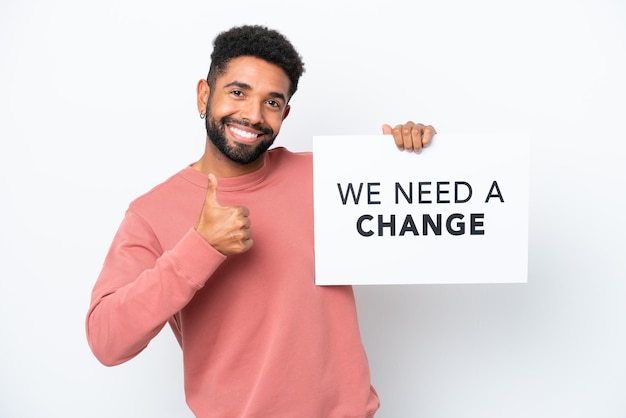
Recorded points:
286,111
202,93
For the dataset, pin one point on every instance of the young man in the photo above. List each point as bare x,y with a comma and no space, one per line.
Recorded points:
223,252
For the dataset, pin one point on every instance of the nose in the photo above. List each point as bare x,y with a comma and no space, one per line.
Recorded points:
252,112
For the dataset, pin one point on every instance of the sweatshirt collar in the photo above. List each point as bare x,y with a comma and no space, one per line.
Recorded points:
231,184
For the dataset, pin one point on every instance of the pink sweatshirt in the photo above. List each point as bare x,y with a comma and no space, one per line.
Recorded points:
259,339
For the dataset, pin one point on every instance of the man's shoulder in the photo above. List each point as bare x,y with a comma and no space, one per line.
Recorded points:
286,153
284,156
179,183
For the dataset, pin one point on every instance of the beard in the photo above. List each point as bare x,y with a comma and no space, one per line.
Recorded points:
237,152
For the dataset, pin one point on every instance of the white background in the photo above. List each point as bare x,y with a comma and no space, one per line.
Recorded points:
97,104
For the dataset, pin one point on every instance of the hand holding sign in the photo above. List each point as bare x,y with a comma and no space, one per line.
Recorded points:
411,136
226,228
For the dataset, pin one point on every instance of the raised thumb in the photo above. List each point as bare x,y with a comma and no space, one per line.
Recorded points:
211,193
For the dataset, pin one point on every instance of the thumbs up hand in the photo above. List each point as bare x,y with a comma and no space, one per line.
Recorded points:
226,228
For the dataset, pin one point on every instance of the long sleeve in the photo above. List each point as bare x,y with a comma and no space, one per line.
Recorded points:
258,337
141,287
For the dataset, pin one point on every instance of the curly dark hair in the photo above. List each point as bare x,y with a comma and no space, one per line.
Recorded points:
256,41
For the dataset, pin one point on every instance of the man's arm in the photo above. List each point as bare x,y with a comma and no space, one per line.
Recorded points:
141,287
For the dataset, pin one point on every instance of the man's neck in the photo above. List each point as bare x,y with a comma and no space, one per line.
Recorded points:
216,163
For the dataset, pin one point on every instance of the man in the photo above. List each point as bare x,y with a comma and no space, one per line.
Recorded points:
223,251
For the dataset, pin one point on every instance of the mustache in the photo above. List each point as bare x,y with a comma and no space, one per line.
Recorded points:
257,126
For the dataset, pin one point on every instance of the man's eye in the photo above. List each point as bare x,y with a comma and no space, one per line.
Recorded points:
273,103
237,93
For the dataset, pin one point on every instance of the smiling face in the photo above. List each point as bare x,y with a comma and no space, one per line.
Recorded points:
244,112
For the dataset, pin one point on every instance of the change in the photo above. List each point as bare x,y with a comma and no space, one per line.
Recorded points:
454,224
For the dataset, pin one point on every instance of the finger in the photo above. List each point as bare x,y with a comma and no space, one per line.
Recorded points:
211,193
246,234
242,240
417,137
387,129
397,137
408,136
239,217
247,244
429,133
240,234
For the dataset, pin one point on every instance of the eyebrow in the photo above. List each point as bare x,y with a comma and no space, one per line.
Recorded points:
246,86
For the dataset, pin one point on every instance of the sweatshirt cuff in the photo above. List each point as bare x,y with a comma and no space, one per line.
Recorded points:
195,258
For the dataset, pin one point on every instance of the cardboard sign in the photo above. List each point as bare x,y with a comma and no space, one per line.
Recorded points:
456,213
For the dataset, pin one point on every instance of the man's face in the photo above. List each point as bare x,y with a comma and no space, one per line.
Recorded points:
246,108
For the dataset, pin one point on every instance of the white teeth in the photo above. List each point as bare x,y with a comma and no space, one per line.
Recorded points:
245,134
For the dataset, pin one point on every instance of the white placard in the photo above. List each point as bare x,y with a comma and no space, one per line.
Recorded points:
456,213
